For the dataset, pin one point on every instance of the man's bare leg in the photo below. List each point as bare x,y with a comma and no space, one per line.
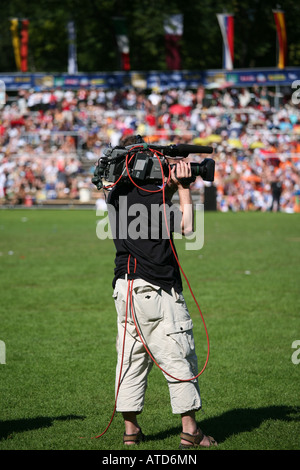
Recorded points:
189,425
131,424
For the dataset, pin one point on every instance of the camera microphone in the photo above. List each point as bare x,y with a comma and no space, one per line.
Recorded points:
182,150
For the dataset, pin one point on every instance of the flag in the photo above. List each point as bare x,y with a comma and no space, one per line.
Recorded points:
173,29
72,54
24,45
282,39
226,22
122,41
14,27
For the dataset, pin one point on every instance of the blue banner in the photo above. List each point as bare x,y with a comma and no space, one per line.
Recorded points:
149,80
250,77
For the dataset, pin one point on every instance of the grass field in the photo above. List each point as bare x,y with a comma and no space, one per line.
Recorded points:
58,326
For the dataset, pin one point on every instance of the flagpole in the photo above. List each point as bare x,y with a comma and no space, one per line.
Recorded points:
72,54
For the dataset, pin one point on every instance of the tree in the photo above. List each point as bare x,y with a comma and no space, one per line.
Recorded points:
201,43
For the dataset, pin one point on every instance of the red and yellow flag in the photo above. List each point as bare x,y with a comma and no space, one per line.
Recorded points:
14,27
282,39
20,42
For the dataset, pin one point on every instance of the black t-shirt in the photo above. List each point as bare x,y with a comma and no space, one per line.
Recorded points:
138,223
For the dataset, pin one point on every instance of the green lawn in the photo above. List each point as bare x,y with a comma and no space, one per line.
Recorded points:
58,324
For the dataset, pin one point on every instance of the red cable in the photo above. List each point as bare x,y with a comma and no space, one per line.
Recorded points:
174,252
122,358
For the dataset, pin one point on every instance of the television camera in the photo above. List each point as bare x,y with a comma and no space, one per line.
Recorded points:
146,163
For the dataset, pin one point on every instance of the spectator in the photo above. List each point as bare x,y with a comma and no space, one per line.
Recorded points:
276,187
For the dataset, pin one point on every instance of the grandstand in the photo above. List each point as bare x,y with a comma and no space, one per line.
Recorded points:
51,138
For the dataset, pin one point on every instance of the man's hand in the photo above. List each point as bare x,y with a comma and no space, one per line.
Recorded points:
180,177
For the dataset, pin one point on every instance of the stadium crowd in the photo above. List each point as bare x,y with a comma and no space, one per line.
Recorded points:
51,139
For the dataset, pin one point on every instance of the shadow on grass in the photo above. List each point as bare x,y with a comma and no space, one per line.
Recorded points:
7,428
237,421
221,427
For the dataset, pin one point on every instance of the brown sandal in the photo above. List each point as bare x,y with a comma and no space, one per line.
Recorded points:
195,440
134,438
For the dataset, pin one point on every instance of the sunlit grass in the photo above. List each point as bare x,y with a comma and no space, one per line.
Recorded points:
58,323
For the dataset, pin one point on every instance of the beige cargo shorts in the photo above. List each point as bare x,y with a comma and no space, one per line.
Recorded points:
166,328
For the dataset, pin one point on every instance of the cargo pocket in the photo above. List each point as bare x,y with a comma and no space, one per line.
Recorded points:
181,333
148,305
120,305
120,292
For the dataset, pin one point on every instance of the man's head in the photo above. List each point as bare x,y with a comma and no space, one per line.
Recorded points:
131,140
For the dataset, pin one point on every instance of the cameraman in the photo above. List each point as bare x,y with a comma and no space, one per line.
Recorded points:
158,304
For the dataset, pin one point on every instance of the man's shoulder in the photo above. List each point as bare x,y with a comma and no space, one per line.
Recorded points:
147,194
116,192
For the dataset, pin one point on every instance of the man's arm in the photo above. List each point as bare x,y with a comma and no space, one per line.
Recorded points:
183,170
